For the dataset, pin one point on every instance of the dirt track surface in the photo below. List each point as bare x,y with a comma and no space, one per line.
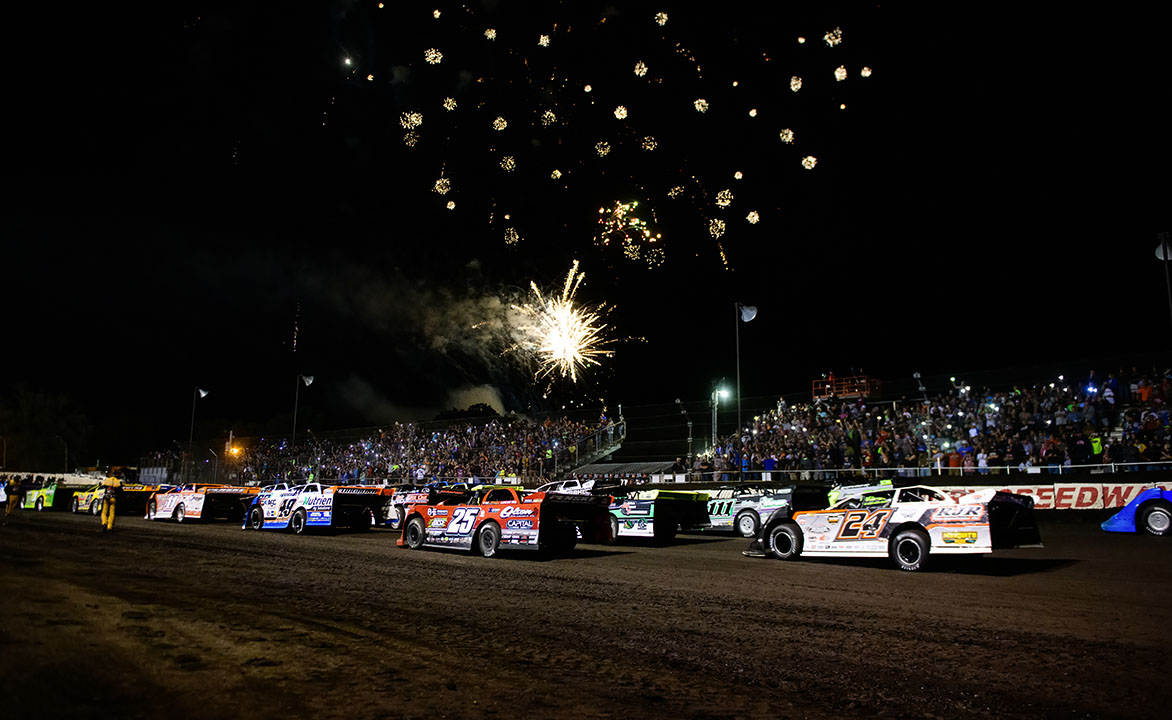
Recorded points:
207,621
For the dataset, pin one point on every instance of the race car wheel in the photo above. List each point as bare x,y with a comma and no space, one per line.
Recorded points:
96,507
364,520
909,550
786,541
415,533
400,515
40,504
74,505
747,524
256,519
152,510
488,539
297,523
664,530
180,513
1157,519
614,528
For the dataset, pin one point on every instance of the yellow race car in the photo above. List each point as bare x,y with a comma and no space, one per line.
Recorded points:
88,500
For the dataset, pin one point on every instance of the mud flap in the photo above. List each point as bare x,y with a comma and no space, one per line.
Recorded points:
1012,523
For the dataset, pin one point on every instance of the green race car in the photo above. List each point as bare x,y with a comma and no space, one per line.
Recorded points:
41,497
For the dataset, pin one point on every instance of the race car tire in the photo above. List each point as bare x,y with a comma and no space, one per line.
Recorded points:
180,513
96,507
40,504
563,539
747,524
785,540
364,520
909,550
664,530
614,528
401,515
256,519
74,505
415,533
1156,519
152,510
297,523
488,540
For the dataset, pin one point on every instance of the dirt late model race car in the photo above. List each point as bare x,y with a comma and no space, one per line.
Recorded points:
744,508
652,512
301,507
198,502
1151,510
907,524
486,519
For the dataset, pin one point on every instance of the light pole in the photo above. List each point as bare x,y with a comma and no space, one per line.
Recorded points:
66,451
689,420
716,395
308,380
744,313
1162,252
195,395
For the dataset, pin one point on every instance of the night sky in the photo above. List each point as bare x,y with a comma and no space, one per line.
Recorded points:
218,196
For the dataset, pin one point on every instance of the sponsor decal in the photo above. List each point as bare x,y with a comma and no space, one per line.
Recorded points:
318,502
519,524
959,538
834,519
438,522
433,512
513,511
958,513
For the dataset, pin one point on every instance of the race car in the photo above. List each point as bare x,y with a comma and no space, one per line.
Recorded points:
743,508
489,518
1150,510
654,513
395,505
132,498
907,524
41,496
301,507
88,500
199,502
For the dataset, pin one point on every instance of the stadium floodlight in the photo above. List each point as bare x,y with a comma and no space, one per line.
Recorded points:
308,380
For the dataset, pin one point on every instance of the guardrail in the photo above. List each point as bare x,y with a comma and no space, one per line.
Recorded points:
859,475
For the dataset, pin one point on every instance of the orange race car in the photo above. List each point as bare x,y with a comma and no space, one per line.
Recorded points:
487,518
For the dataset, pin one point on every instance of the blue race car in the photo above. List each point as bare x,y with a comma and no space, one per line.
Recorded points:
1150,511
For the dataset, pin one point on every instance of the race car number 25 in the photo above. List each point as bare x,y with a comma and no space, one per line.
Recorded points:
462,521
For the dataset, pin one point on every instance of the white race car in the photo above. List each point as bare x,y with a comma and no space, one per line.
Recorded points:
316,505
198,502
907,524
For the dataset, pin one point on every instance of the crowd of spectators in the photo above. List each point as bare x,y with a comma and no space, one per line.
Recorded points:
1120,418
512,446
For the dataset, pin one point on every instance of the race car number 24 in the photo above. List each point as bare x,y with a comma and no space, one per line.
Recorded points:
462,520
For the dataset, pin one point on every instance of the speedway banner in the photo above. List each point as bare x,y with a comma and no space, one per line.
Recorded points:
1069,496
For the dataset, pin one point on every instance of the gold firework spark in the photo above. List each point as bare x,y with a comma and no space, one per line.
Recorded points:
565,337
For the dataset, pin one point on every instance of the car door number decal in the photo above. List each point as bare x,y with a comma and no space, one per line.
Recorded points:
462,520
863,524
723,507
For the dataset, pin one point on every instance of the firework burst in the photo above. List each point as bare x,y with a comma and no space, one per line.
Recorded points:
565,337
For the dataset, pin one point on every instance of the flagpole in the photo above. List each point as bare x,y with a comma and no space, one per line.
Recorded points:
737,322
